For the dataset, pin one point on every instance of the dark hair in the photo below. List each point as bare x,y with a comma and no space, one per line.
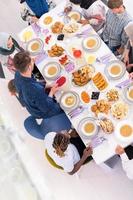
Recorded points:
115,3
21,61
76,1
11,86
60,143
86,3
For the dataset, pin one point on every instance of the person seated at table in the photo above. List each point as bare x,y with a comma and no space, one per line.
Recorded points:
32,10
13,91
128,52
39,130
8,45
116,19
93,11
67,151
127,159
32,93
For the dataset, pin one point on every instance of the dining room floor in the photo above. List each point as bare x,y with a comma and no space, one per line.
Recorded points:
91,182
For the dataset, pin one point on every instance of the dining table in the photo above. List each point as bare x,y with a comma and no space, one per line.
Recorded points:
103,144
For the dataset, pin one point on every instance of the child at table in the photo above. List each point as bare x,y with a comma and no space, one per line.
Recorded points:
93,11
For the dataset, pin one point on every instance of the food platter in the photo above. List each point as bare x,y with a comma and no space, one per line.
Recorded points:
128,93
51,70
71,29
69,100
124,131
115,70
35,46
83,75
92,43
88,127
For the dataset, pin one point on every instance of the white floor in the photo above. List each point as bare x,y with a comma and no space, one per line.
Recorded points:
93,182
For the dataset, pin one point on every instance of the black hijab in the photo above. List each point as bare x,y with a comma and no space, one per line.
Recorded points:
86,3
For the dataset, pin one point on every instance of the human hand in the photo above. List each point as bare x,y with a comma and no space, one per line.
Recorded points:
53,90
126,58
34,19
67,9
119,150
87,152
84,21
131,75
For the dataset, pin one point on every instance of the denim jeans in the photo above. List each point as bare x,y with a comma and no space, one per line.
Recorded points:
54,124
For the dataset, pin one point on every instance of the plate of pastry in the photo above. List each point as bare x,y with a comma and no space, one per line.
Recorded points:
69,100
92,43
128,93
124,131
88,127
83,75
51,70
35,46
99,81
115,69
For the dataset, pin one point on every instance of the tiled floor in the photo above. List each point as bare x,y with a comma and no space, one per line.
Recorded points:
93,183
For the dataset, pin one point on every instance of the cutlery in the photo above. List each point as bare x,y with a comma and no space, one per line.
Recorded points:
124,83
76,111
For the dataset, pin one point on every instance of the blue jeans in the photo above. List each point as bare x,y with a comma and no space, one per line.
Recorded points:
54,124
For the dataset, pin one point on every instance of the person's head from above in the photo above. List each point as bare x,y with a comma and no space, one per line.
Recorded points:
116,6
119,150
86,3
76,2
129,31
23,62
60,143
6,41
12,88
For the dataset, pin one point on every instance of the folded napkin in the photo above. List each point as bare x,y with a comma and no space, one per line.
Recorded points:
124,83
40,57
104,59
36,28
97,141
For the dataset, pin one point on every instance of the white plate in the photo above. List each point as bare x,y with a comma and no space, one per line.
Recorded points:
121,69
69,27
72,97
81,127
57,69
27,34
119,136
93,48
32,42
43,18
126,91
74,12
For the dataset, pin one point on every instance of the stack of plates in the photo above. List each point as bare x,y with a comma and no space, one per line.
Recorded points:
51,70
115,69
92,43
69,100
35,46
88,127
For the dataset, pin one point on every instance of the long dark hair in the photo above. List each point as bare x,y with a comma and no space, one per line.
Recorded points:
86,3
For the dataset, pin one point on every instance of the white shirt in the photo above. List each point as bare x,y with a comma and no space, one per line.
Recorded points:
68,161
127,165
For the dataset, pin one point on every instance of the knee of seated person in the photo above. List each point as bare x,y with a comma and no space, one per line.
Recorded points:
30,123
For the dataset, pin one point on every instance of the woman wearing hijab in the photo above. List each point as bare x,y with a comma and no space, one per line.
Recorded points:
128,53
8,46
36,8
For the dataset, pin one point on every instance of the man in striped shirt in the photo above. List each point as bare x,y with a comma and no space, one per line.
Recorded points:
116,19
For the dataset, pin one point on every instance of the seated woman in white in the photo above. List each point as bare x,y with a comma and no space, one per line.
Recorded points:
64,153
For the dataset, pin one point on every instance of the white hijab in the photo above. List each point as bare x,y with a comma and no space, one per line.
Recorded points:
4,39
129,31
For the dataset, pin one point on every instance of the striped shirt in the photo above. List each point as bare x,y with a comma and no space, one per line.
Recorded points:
113,32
